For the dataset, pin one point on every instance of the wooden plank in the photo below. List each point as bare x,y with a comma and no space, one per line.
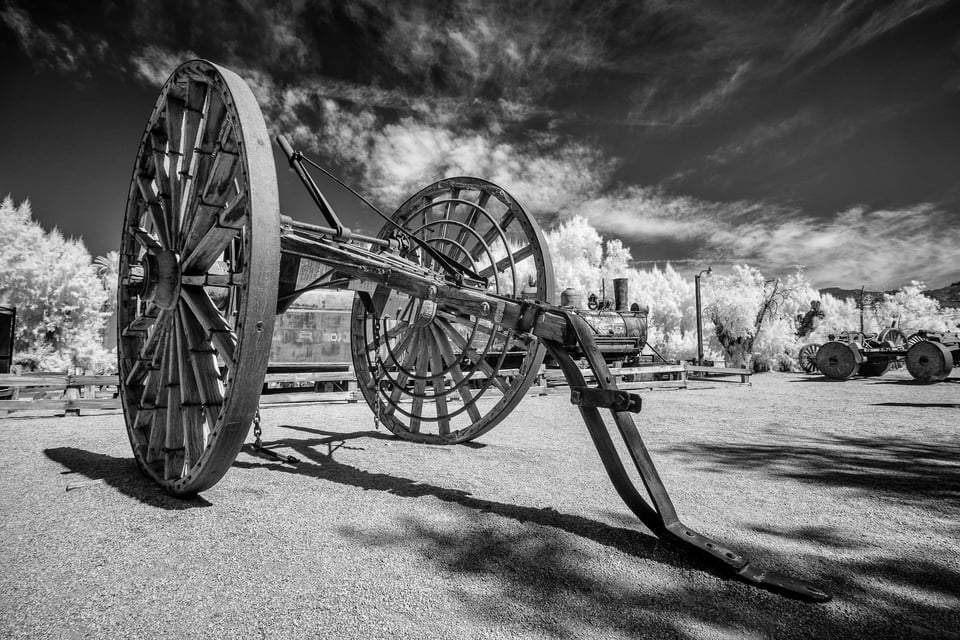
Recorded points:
308,396
330,376
31,380
717,370
62,404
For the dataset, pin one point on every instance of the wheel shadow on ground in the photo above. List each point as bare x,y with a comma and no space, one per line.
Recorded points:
122,474
916,383
535,576
895,467
919,405
323,465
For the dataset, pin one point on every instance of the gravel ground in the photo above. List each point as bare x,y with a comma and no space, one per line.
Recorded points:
855,486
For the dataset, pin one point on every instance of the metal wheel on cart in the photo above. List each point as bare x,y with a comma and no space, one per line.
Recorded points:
836,360
199,260
442,376
929,361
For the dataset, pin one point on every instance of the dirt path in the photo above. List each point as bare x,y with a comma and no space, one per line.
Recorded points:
853,485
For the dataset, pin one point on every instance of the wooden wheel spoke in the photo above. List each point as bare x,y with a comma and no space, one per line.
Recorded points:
192,119
392,333
161,165
158,430
173,450
420,382
215,326
474,357
151,382
200,256
459,380
476,211
496,231
184,445
154,210
146,240
439,384
148,352
409,357
174,120
450,210
221,178
511,260
199,371
143,322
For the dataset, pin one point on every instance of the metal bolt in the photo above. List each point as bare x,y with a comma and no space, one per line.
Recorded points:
485,308
432,292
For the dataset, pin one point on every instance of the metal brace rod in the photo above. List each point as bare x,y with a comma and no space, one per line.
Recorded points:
659,514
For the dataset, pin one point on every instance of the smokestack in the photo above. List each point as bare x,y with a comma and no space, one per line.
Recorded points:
620,293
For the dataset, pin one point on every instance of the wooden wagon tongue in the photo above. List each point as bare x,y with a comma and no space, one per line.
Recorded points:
454,304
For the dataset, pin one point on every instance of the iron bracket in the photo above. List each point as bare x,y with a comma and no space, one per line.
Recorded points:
613,399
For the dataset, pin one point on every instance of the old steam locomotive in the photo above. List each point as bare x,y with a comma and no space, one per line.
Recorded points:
619,328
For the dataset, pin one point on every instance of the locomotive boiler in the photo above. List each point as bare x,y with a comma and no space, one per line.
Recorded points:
619,328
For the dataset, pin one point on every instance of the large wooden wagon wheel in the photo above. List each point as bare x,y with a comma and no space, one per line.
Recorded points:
199,260
446,377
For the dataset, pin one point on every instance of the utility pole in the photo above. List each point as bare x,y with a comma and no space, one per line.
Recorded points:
696,282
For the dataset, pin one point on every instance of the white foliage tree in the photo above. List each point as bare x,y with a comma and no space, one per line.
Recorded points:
747,320
55,288
577,252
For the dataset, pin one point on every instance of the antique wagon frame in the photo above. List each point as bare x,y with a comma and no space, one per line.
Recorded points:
207,261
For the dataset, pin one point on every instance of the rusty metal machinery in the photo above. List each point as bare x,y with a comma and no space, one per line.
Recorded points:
866,354
619,328
928,356
207,261
932,356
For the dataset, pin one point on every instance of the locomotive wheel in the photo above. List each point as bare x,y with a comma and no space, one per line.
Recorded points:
915,338
199,258
445,376
808,357
897,340
837,360
929,361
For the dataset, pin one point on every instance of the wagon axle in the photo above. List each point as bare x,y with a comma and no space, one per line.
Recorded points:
451,320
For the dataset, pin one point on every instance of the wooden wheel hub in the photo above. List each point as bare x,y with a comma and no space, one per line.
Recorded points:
161,279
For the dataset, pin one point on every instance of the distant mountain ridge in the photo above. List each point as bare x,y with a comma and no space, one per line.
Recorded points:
948,296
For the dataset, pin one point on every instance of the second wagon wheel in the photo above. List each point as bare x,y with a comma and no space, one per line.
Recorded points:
199,258
449,377
808,357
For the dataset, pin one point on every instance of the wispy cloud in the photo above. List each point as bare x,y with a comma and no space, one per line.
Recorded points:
879,248
531,94
153,65
717,96
858,246
60,47
839,29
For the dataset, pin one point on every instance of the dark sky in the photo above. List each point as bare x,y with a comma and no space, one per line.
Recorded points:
774,133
